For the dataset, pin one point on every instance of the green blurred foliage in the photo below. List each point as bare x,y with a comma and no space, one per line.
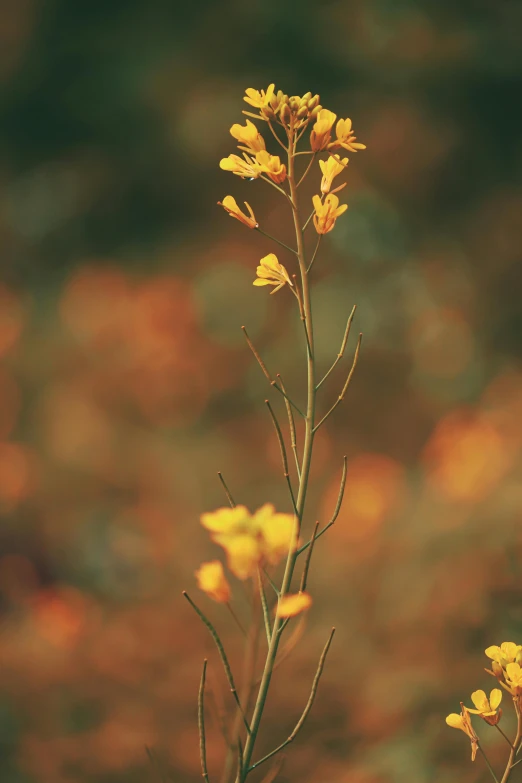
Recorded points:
125,384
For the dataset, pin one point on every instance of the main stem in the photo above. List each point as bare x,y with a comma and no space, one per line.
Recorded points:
514,748
305,471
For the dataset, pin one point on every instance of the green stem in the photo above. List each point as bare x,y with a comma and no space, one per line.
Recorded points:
516,743
305,472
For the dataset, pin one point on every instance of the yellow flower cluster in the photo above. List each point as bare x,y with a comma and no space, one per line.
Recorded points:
293,114
506,660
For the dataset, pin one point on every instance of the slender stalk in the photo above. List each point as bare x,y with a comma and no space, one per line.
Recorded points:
201,723
488,765
345,387
278,241
312,159
342,348
310,265
505,737
515,746
283,453
227,491
335,513
276,137
291,426
266,614
305,471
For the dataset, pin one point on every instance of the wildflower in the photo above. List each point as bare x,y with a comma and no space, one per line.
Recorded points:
345,137
250,539
487,708
321,132
508,652
513,679
259,99
229,203
292,604
271,165
327,213
331,168
212,580
463,722
249,136
241,167
271,272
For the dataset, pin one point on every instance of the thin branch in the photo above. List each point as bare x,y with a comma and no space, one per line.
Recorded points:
306,568
487,762
155,763
310,265
345,387
287,247
312,159
227,491
342,349
308,220
283,453
291,425
236,618
201,723
505,737
267,374
336,510
271,583
276,137
266,614
281,190
222,655
306,710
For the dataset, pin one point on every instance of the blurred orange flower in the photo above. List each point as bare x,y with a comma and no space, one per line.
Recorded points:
293,603
212,580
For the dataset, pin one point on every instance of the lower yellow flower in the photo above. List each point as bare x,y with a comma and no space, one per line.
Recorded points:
271,272
345,137
463,722
292,604
271,165
212,580
487,708
245,168
248,135
327,213
229,203
331,168
250,539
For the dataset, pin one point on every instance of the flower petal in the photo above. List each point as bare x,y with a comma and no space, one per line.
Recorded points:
290,605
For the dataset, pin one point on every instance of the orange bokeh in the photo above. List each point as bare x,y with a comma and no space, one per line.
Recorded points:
466,456
9,403
11,319
16,474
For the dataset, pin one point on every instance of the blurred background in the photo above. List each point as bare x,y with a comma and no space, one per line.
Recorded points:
125,383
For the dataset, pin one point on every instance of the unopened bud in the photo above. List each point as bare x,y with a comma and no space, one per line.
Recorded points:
313,102
315,112
303,112
498,671
306,97
285,113
294,102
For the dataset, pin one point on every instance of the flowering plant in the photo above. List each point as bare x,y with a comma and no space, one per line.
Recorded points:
256,543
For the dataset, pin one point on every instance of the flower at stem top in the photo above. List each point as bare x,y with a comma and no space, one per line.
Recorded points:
250,539
271,165
212,580
229,203
508,652
260,99
487,708
245,168
345,137
327,212
321,132
249,136
331,168
271,272
463,722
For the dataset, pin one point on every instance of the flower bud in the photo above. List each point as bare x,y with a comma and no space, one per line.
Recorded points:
498,671
306,97
285,113
294,102
315,112
303,112
313,102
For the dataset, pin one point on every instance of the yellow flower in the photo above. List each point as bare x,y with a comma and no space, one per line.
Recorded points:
487,708
321,132
513,679
292,604
271,272
229,203
345,137
245,168
506,653
271,165
250,539
212,580
463,722
259,99
331,168
249,136
327,213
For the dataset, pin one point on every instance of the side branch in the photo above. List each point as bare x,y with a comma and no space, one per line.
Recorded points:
278,241
283,453
302,586
227,491
291,425
345,387
222,655
335,513
267,374
342,349
201,723
306,710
